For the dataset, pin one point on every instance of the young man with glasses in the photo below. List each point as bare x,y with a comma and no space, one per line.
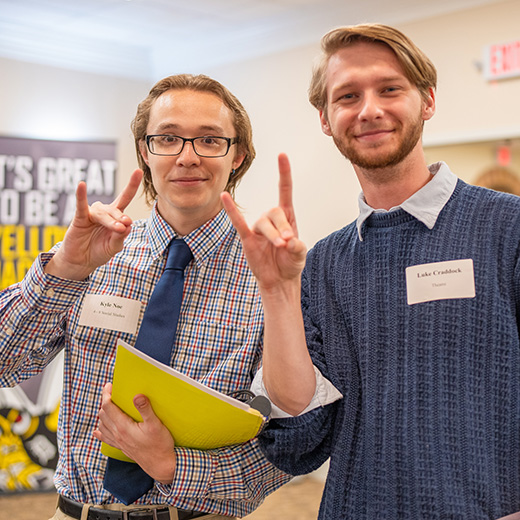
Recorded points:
194,141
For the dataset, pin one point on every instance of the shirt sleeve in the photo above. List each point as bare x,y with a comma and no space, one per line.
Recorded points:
238,473
326,393
301,444
33,314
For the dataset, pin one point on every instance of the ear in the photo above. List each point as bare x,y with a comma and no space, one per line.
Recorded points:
325,127
144,151
238,160
429,105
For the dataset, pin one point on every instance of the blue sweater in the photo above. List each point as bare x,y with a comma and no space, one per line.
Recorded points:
429,426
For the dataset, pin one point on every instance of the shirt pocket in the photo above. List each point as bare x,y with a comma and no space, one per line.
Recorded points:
217,354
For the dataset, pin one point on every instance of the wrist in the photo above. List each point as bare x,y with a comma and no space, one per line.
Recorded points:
285,290
57,267
166,472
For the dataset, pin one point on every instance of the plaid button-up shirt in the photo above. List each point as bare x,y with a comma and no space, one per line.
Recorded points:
218,343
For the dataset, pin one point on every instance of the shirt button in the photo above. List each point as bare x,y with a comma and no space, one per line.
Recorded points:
50,293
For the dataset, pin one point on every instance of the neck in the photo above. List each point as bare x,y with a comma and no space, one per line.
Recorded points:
385,188
184,222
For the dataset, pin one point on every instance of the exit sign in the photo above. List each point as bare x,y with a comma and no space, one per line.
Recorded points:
502,60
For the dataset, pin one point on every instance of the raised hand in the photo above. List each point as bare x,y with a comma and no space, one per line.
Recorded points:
276,256
273,250
95,234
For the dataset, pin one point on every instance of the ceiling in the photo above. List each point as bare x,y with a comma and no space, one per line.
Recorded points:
149,39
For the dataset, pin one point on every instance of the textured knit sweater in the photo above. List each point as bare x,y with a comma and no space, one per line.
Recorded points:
429,425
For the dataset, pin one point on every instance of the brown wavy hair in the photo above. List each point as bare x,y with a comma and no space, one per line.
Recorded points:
198,83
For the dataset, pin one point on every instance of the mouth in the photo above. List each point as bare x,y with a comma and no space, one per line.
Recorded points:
373,135
188,181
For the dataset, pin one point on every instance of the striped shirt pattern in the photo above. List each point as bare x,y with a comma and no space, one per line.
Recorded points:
218,343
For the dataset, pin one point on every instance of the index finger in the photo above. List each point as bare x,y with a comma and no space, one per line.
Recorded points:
285,186
81,200
129,191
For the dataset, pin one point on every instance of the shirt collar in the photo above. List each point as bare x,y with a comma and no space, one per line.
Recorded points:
425,205
202,241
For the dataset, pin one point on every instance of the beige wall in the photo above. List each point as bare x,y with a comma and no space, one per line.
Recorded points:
37,101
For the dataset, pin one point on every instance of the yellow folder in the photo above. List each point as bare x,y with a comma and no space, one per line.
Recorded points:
197,416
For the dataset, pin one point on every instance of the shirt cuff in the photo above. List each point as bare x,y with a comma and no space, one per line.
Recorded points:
194,473
324,394
47,292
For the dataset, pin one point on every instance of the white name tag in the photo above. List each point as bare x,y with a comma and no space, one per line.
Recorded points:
440,281
110,312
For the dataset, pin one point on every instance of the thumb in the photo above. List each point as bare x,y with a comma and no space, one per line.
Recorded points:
297,248
143,406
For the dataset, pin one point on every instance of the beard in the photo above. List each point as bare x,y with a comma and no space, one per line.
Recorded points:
375,161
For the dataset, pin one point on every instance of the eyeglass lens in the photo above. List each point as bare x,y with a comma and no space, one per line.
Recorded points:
208,146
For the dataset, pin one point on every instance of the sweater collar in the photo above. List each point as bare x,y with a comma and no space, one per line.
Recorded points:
425,205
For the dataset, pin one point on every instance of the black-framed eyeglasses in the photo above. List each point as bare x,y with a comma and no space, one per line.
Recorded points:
204,146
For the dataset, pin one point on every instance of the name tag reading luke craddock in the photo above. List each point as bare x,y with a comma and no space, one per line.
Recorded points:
440,281
110,312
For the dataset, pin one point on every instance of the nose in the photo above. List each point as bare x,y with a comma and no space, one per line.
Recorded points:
188,157
370,107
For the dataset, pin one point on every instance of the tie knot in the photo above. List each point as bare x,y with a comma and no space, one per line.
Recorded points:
179,255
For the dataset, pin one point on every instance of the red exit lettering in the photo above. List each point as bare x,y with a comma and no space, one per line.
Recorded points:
503,60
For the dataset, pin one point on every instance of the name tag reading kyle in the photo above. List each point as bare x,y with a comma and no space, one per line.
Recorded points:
440,281
110,312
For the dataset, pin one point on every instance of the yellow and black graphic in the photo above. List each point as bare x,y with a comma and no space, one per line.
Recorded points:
28,452
28,425
38,181
19,247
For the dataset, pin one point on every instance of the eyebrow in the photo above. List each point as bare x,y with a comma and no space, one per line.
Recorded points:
204,129
383,79
391,79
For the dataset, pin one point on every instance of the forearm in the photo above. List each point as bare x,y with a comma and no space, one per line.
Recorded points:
32,313
288,372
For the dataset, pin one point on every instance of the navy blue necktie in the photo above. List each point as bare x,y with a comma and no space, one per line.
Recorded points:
126,480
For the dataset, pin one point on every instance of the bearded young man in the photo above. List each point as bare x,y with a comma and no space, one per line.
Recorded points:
411,312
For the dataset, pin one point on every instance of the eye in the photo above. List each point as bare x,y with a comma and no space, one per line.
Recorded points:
346,98
169,139
209,141
391,90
